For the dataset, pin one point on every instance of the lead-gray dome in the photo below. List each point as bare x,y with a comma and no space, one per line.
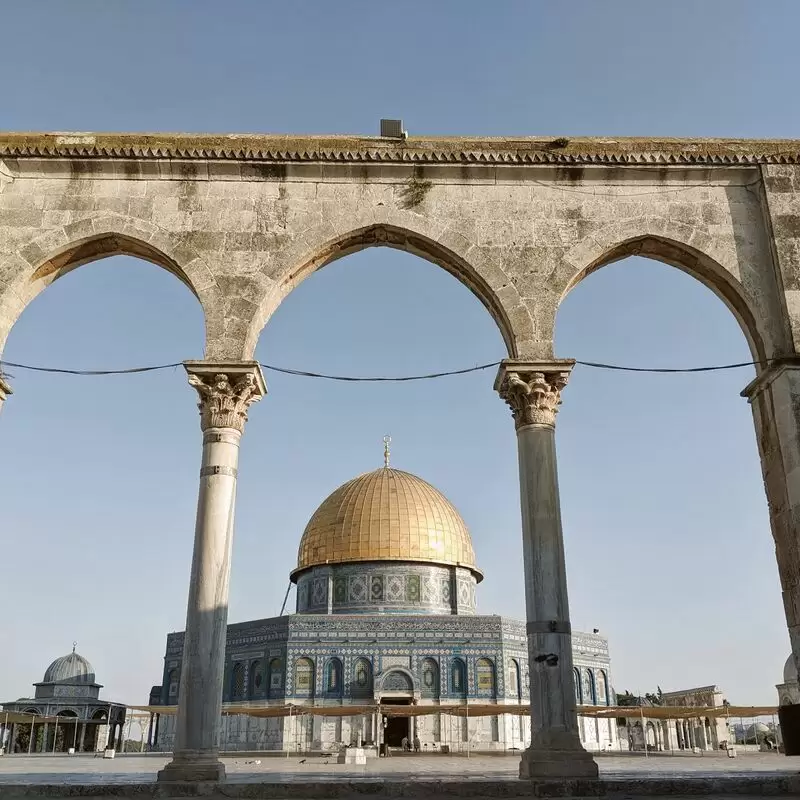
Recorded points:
71,668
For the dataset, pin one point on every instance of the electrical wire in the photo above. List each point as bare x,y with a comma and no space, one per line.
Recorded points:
386,378
375,379
63,371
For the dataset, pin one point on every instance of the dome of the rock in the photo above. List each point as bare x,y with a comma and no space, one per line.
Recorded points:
386,515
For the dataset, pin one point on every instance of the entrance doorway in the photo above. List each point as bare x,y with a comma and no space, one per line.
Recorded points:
397,728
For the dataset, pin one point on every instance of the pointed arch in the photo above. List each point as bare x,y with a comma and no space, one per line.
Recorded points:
486,679
334,675
40,261
362,685
430,677
238,682
689,249
397,679
458,677
321,246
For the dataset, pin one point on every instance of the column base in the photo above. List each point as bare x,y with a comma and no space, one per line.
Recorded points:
545,764
193,768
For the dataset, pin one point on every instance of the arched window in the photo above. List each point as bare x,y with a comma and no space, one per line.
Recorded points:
304,677
257,682
333,677
172,684
588,687
275,687
430,678
576,678
237,682
362,679
601,685
485,672
514,688
458,677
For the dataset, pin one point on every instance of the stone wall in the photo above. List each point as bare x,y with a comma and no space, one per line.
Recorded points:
520,233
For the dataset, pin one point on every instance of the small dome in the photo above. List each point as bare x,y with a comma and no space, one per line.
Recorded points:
386,515
789,671
71,668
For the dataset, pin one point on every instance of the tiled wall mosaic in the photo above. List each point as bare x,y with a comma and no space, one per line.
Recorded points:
387,587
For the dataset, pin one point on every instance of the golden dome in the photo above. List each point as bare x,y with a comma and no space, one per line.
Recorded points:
386,515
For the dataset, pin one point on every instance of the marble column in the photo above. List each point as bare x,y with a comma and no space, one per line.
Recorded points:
226,391
5,391
533,391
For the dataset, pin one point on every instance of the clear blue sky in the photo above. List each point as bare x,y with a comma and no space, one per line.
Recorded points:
668,543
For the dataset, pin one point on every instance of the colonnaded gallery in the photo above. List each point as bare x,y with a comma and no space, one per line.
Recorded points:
386,612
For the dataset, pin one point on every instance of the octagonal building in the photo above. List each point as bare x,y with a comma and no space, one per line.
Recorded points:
386,613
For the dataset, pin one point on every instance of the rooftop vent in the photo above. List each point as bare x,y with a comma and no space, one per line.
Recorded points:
393,129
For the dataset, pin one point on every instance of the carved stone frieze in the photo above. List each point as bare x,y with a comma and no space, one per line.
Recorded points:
533,390
226,391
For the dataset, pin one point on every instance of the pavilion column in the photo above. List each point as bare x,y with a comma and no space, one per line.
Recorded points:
81,738
533,391
5,391
226,391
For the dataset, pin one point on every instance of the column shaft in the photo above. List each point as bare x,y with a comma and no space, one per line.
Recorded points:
225,393
533,390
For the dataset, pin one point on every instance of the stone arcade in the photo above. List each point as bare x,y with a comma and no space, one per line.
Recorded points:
386,582
241,220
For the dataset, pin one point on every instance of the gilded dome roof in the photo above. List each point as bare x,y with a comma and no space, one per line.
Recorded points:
386,515
71,668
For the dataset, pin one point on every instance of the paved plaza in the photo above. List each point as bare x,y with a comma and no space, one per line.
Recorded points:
270,768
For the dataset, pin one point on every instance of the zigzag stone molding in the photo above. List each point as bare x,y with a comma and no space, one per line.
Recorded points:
419,150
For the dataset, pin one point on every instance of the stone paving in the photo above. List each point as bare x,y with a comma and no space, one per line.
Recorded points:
129,769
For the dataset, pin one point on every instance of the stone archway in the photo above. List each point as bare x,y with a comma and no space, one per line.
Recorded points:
756,309
518,219
43,259
485,280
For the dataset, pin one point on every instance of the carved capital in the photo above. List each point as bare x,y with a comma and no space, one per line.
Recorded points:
5,390
533,389
226,391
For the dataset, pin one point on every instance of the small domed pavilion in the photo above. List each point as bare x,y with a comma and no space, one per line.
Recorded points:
73,715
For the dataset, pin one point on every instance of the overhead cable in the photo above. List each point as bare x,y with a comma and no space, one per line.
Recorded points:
385,378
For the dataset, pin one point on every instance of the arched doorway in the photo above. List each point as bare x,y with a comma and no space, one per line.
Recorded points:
397,689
